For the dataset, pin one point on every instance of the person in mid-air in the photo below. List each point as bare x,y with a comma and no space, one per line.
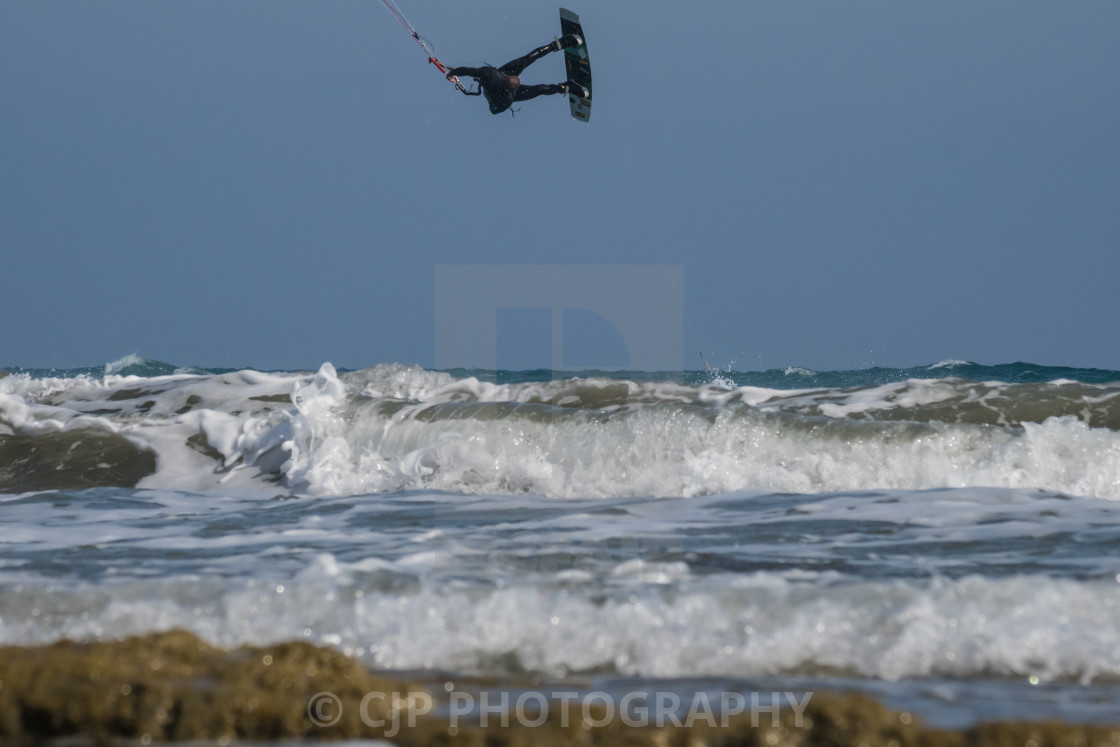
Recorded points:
502,87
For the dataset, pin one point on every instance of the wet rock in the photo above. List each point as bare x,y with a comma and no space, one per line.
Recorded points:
74,459
174,687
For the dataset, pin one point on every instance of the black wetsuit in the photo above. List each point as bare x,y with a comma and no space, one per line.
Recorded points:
499,88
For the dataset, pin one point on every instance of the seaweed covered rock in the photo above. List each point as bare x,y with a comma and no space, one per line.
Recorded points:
174,686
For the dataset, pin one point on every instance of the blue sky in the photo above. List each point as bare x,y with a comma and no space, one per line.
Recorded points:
273,183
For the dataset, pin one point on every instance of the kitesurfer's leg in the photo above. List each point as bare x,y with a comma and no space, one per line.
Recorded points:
524,93
515,67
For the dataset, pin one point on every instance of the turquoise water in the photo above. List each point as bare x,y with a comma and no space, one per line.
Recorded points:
779,378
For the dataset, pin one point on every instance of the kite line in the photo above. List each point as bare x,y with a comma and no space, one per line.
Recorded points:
425,45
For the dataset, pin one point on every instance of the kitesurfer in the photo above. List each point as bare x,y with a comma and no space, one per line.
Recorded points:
501,85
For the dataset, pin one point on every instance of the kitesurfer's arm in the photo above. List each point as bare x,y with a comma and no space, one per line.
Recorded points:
470,72
453,74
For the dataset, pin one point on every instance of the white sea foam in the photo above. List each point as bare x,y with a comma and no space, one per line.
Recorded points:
122,363
404,517
638,587
762,623
394,428
681,451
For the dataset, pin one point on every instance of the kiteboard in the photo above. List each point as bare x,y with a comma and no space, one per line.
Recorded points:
578,65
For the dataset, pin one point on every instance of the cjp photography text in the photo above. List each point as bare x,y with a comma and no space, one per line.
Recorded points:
533,708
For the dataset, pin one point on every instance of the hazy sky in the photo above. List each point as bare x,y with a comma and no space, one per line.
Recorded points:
273,183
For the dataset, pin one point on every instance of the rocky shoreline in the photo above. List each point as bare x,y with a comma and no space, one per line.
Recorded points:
169,687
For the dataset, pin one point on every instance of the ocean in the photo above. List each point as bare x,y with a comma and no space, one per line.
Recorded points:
945,538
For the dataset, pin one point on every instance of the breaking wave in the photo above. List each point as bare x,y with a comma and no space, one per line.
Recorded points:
394,427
